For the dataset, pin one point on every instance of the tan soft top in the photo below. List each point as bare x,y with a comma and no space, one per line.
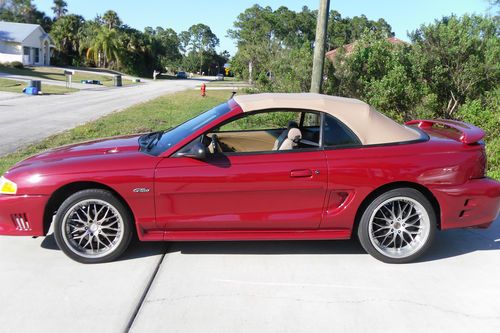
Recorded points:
368,124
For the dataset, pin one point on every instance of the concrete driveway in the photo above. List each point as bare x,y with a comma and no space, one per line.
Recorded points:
320,286
28,119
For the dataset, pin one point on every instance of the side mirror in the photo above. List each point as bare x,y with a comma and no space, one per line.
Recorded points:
198,151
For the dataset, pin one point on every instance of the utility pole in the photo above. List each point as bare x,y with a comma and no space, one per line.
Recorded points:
319,46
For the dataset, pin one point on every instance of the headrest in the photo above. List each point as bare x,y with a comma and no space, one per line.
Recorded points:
294,134
292,124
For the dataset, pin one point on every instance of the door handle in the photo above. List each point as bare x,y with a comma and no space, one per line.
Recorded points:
301,173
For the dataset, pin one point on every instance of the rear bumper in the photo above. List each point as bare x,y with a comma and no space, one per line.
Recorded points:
22,215
473,204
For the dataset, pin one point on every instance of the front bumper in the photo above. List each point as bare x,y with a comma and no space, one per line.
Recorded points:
473,204
22,215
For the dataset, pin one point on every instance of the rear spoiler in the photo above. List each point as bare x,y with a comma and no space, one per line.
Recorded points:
469,133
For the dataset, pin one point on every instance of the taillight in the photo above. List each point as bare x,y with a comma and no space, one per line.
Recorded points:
480,167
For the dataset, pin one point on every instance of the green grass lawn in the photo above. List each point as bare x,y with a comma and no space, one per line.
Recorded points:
57,90
11,86
58,74
231,83
158,114
18,86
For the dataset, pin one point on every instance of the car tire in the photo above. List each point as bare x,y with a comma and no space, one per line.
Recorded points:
92,226
398,226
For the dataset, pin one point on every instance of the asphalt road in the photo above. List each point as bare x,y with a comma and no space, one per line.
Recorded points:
313,286
27,119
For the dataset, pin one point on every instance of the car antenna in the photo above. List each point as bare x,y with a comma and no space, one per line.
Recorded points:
233,94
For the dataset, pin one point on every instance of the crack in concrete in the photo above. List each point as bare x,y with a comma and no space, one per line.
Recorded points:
298,299
146,291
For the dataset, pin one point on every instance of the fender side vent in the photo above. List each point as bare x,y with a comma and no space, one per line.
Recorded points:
21,222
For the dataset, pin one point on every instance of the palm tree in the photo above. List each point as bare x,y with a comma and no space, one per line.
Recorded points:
111,19
104,48
22,8
60,8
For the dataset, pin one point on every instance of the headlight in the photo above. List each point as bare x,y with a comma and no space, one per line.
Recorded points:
7,186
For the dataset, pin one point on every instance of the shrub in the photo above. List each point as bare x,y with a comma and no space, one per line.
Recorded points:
17,64
14,64
485,113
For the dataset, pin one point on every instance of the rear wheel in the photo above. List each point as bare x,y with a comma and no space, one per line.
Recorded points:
93,226
398,226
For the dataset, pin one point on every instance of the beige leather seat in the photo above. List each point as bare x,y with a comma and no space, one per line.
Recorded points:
279,141
292,140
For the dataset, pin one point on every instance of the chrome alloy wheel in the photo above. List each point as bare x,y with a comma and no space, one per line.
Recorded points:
92,228
399,227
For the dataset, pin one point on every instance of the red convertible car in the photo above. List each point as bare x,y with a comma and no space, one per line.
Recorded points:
259,167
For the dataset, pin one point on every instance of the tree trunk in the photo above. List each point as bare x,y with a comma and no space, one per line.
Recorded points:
201,62
452,105
250,72
319,46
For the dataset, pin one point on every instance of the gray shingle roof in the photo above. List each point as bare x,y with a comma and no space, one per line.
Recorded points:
16,32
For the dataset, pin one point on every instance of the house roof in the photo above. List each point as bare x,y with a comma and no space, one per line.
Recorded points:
348,48
368,124
18,32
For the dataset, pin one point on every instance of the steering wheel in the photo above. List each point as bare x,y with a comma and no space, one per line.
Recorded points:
216,147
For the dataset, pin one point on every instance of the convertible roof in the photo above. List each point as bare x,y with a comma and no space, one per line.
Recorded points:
368,124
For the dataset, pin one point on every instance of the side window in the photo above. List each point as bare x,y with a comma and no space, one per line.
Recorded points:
311,119
336,133
265,131
261,121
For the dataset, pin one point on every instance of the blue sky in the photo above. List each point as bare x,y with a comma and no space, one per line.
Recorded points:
402,15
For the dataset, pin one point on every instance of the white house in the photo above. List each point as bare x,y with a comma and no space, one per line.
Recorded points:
26,43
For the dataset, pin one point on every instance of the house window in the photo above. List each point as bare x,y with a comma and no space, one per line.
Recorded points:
37,55
26,51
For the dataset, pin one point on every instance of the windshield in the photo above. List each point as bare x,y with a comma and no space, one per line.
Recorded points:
158,142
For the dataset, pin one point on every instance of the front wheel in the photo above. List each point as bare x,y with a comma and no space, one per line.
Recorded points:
398,226
93,226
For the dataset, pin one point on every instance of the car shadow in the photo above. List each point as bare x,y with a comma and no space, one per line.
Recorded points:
136,249
454,243
447,244
340,247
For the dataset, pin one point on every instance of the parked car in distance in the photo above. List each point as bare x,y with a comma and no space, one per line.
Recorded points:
181,75
219,77
259,167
